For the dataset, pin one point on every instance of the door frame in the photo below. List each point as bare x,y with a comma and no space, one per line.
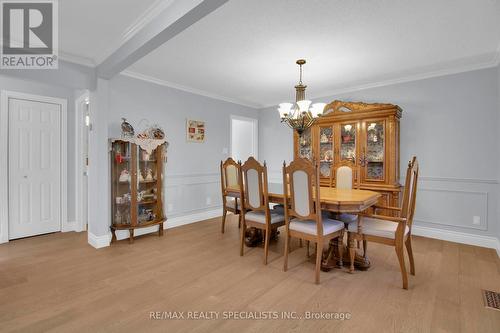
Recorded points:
5,95
255,133
79,169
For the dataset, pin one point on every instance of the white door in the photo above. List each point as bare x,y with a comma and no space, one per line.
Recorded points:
244,138
34,168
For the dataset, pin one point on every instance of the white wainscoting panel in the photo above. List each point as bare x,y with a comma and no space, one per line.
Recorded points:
453,208
463,205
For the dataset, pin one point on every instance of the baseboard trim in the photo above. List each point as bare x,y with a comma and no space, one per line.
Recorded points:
98,241
69,226
193,218
458,237
174,222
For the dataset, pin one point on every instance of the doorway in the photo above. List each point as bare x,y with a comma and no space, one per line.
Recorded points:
33,202
244,138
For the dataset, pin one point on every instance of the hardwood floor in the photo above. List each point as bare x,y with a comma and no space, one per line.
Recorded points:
59,283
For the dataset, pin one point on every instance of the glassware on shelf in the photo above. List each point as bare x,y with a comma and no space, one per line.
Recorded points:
348,142
375,151
305,145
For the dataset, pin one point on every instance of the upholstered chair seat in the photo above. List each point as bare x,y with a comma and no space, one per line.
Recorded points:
376,227
230,202
347,218
309,226
279,209
260,217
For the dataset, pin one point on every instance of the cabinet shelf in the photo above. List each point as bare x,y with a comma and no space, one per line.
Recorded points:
146,202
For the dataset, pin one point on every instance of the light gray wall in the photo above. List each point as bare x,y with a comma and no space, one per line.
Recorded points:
68,75
192,181
451,124
45,89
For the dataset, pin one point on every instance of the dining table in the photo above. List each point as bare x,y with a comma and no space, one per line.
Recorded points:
337,201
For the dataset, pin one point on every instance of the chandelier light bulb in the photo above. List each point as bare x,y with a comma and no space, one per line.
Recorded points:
304,105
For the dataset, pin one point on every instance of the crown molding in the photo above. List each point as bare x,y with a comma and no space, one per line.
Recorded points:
84,61
494,62
154,80
144,19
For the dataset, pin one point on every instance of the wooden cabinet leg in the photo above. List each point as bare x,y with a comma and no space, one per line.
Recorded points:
113,235
131,236
160,229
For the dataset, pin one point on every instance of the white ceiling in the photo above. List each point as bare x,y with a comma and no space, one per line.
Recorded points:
245,51
89,30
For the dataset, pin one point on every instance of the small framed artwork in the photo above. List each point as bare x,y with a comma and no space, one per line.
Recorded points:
195,131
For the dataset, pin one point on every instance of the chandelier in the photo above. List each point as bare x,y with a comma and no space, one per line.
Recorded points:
300,115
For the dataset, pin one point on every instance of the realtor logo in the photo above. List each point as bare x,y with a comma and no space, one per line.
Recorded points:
29,34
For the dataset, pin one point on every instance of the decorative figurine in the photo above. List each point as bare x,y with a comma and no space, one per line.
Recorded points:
124,176
118,156
324,138
140,195
156,132
127,129
140,177
149,174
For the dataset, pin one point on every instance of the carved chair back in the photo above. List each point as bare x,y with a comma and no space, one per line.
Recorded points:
253,180
301,192
346,175
410,191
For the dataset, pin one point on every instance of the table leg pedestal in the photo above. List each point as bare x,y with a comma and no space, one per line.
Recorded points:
254,237
332,258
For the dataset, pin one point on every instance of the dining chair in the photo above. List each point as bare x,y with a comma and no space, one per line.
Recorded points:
253,179
231,190
303,218
393,230
347,176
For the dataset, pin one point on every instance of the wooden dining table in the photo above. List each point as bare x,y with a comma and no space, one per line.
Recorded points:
336,201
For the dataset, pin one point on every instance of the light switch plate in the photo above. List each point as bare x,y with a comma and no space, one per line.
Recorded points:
476,220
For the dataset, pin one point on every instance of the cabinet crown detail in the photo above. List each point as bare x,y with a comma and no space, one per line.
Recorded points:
341,107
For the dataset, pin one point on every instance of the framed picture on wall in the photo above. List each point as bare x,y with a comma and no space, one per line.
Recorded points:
195,130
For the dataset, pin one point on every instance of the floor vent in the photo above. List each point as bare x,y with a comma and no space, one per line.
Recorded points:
491,299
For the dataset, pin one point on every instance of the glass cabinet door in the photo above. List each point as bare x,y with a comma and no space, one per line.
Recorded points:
305,144
326,150
121,183
375,150
348,142
146,186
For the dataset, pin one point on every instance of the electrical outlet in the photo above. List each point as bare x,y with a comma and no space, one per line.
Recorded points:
170,207
476,220
208,201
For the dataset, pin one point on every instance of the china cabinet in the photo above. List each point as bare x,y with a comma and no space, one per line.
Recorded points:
366,135
137,184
